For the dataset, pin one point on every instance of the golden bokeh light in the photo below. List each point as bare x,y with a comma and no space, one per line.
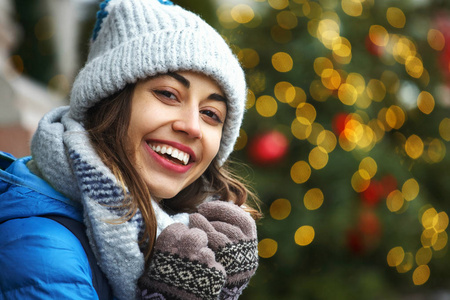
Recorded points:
278,4
318,158
404,49
425,102
315,131
299,130
347,93
395,117
266,106
441,222
280,209
357,81
436,39
267,248
224,15
327,31
429,237
396,17
331,79
441,241
318,91
414,146
360,180
287,20
242,13
327,140
428,218
395,256
444,129
284,91
299,96
321,64
352,8
378,35
423,256
390,81
410,189
369,165
341,47
300,172
306,113
395,201
421,274
376,90
414,66
304,235
436,151
282,62
248,57
242,140
251,99
406,264
313,199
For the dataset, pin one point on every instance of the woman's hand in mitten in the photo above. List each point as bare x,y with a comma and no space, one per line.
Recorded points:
232,235
182,267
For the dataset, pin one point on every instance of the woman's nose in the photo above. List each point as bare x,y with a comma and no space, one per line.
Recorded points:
189,123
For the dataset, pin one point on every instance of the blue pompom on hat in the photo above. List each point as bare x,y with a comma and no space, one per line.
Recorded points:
135,39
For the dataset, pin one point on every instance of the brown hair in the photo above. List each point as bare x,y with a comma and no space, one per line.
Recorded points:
107,125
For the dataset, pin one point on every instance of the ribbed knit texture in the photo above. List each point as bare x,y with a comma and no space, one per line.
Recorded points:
136,39
65,158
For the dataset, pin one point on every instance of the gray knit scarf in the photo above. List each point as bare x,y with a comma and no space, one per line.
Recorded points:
65,158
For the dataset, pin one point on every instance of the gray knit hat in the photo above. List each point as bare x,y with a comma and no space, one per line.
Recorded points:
135,39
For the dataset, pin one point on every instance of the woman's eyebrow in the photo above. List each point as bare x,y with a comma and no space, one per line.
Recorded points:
179,78
217,97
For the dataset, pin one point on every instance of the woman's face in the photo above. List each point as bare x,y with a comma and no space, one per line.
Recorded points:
175,130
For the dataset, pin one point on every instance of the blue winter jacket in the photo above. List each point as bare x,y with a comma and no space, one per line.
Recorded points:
39,258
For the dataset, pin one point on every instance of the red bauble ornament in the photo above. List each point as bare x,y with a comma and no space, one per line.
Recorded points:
373,48
338,122
372,195
268,148
369,224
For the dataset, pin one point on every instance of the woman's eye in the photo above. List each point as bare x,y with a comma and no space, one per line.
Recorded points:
212,115
166,94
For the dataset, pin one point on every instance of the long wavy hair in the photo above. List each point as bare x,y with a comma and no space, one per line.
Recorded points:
107,125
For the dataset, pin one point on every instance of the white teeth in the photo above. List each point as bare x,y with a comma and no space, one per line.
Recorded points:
180,156
175,153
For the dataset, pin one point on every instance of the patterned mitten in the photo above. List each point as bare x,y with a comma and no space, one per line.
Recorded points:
232,235
182,267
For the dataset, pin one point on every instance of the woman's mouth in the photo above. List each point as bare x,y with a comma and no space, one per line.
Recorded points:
170,153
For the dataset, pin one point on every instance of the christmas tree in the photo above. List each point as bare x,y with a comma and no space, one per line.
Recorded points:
346,133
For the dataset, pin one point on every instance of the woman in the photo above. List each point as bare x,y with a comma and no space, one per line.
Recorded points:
139,157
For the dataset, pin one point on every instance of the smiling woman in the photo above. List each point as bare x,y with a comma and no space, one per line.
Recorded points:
140,158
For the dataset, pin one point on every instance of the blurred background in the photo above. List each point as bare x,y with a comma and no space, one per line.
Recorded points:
345,138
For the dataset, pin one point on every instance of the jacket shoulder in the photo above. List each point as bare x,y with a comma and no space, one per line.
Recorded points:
44,260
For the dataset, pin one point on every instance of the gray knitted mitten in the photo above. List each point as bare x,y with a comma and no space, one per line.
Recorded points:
232,235
182,267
